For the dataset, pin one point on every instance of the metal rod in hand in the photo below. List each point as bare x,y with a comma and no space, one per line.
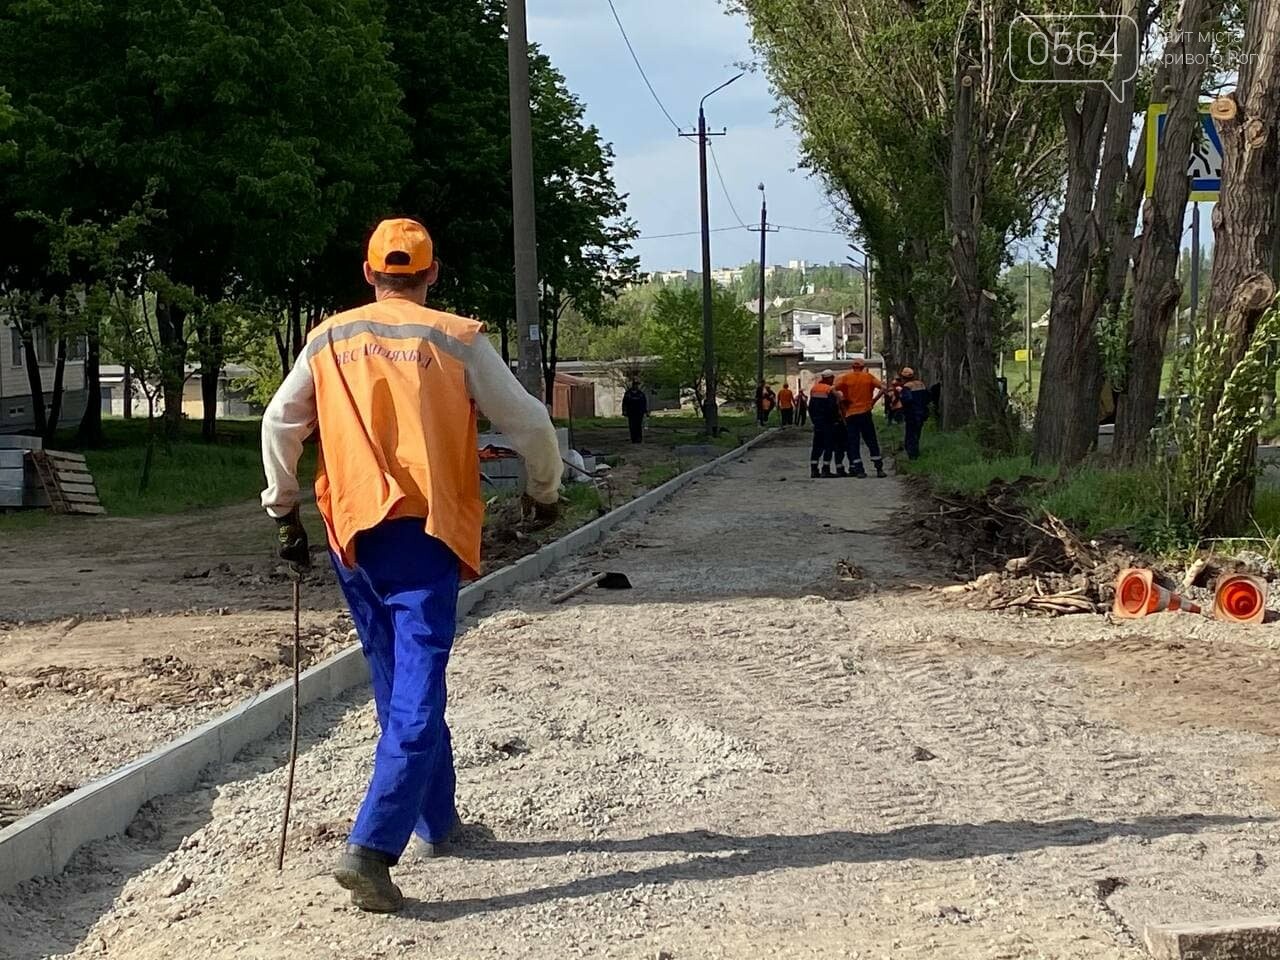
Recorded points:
293,735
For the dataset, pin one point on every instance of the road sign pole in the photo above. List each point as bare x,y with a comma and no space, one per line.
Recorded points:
1195,273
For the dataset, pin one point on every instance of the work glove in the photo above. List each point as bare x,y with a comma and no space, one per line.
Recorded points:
539,515
292,539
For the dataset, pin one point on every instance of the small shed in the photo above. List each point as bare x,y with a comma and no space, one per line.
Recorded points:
573,397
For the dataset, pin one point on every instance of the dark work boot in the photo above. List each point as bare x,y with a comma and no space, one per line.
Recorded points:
813,470
880,469
366,873
859,472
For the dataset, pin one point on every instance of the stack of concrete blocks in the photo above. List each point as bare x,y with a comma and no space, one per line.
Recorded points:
19,486
508,474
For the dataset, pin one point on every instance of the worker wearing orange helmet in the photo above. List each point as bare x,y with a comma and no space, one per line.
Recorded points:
393,387
914,396
860,389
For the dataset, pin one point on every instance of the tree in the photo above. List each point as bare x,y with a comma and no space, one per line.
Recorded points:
676,328
583,231
1094,224
1245,226
1156,289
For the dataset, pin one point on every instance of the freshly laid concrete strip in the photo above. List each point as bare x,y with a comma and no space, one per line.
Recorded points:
1254,939
41,843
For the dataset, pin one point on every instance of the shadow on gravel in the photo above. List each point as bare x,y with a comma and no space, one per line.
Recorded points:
715,856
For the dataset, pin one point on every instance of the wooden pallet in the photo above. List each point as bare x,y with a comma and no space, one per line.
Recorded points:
66,481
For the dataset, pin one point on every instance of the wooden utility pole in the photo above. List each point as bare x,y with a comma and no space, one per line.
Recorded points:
524,228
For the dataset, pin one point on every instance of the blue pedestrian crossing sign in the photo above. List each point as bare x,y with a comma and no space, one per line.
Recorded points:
1205,163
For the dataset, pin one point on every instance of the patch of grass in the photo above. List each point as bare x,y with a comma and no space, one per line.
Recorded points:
186,474
584,505
954,462
659,473
1092,499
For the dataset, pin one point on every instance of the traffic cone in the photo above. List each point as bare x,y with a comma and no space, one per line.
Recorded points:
1240,598
1137,595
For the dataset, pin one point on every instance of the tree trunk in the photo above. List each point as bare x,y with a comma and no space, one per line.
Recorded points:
89,433
127,387
1157,290
55,393
295,323
211,357
282,350
1245,217
171,330
973,302
506,345
1070,376
35,386
957,400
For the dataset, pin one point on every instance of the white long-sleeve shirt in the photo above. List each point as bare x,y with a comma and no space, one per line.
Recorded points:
291,417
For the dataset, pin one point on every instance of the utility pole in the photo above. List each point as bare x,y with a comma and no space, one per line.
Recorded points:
522,219
1030,395
1195,274
867,335
764,229
710,412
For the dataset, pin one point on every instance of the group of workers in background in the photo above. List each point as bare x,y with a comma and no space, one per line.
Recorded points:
841,411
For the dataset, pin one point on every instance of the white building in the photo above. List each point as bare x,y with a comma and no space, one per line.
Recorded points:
812,332
675,276
16,412
726,276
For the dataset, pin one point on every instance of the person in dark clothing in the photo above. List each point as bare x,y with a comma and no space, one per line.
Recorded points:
915,397
822,409
802,407
635,407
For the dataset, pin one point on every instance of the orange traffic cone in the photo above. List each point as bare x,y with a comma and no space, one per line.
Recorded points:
1137,594
1240,598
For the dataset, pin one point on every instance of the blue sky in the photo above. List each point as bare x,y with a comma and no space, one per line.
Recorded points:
687,47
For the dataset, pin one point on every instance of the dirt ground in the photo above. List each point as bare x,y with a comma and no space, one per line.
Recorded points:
780,743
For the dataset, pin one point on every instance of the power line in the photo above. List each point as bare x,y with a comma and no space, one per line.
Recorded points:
834,233
688,233
643,75
723,188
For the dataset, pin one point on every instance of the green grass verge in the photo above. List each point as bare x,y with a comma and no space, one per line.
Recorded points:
186,474
659,473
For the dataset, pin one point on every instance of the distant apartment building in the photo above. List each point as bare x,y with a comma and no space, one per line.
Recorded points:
16,411
675,276
800,265
726,276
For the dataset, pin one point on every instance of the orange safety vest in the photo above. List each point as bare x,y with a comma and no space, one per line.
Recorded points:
397,425
786,399
858,386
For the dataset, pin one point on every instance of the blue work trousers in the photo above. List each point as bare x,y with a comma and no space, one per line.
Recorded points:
403,595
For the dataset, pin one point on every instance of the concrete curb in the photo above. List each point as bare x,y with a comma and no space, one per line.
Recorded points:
43,842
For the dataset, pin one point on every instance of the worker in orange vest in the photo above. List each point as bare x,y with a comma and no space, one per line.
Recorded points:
860,390
914,396
822,410
787,404
393,387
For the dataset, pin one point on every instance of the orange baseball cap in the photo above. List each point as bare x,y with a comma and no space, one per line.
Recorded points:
400,246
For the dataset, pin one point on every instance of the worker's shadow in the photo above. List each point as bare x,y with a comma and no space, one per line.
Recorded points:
712,856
